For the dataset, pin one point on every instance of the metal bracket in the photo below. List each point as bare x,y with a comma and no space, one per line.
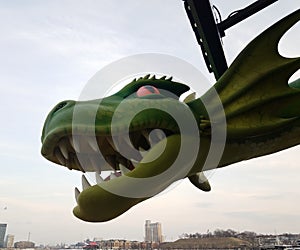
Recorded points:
208,33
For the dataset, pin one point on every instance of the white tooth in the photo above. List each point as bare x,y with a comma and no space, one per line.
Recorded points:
142,152
112,176
85,183
75,143
60,158
145,134
155,136
68,165
106,167
123,169
93,143
99,179
134,162
77,193
64,150
160,134
71,141
95,165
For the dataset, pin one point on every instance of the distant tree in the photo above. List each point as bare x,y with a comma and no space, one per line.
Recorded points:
231,233
247,235
198,235
219,233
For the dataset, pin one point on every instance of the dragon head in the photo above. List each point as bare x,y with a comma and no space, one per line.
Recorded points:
133,133
149,139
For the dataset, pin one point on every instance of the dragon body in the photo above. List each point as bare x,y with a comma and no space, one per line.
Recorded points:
259,114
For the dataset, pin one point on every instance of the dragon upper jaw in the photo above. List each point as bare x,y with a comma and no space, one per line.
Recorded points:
96,153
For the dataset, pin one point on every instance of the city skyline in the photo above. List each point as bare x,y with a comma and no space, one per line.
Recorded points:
123,243
50,49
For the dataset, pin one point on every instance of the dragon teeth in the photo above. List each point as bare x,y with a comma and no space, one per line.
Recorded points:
111,161
77,145
99,179
85,183
142,152
112,176
145,134
77,193
134,163
78,163
160,134
155,136
144,144
74,141
60,157
64,150
123,169
95,165
144,141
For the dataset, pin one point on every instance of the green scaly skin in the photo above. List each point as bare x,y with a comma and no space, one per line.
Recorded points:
262,117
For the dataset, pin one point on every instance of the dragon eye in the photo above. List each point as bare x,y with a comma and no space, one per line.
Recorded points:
147,90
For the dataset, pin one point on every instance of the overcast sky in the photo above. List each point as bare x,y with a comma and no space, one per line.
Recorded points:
50,49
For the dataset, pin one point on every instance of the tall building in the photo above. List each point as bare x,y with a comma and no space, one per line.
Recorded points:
10,240
2,234
153,232
148,233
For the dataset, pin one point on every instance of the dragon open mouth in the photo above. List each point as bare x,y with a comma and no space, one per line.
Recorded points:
116,154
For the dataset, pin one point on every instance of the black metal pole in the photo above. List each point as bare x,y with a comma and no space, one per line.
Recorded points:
242,14
207,35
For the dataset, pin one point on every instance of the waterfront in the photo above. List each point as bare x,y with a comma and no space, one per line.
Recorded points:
218,240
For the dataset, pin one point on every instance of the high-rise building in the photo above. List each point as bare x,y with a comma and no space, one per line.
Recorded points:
148,233
153,232
10,240
2,234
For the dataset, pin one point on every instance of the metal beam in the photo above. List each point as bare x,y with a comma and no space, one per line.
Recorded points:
207,34
242,14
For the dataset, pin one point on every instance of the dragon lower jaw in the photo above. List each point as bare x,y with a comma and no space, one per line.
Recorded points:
108,199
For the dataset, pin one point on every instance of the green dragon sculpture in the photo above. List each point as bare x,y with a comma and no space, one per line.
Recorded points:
262,114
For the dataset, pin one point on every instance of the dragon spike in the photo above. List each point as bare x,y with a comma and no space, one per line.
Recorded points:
77,193
170,78
146,76
153,77
163,78
190,97
85,183
134,80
